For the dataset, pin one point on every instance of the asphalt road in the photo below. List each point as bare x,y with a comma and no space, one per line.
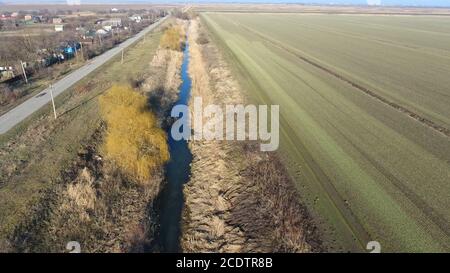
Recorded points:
22,111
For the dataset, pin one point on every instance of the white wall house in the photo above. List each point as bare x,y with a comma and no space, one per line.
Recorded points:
59,28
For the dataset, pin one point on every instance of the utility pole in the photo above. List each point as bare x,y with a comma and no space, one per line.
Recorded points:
24,72
82,53
76,52
53,100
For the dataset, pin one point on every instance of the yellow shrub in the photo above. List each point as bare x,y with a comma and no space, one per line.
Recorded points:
133,139
172,38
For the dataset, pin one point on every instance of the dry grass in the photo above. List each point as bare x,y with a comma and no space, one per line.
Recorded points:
270,203
172,38
96,205
82,193
161,87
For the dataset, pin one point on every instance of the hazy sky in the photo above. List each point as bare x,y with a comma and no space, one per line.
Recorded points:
383,2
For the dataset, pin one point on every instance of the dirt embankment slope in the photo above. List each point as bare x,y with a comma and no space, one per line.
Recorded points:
238,199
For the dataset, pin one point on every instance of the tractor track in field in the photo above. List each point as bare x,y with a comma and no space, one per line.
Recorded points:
426,122
433,215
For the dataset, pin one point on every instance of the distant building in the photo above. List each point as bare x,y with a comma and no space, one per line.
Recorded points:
4,17
137,18
90,34
57,20
113,22
6,68
37,19
59,28
101,32
14,14
6,73
28,17
114,10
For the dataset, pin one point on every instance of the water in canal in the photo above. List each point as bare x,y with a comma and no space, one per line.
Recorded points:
177,174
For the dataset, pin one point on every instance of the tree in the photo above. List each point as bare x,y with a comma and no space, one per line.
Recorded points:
133,139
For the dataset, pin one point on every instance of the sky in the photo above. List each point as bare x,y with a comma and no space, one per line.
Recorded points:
358,2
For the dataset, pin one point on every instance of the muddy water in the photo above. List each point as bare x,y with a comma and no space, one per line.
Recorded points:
177,174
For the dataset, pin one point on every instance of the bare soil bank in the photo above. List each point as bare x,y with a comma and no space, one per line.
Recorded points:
238,199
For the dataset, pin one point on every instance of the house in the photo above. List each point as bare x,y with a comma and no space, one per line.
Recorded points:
5,17
101,32
28,17
37,19
59,28
113,22
57,20
70,48
113,10
136,18
90,34
6,68
14,15
6,73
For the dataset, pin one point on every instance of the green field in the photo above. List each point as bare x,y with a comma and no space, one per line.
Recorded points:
365,118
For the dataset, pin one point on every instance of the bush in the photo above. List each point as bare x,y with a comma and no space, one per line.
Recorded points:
133,139
7,95
172,39
202,39
136,82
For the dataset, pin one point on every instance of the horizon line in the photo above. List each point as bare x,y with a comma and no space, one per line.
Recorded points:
223,2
